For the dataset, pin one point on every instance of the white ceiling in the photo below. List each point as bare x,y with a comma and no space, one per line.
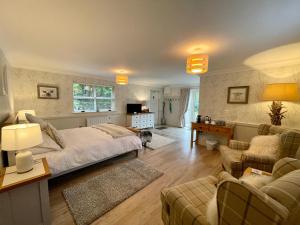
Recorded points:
150,38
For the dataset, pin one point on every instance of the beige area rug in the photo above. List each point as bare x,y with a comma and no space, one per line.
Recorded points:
159,141
89,200
174,133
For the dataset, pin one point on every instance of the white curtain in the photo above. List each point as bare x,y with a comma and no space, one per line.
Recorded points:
184,102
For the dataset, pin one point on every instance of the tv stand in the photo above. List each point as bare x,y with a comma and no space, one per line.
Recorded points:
140,120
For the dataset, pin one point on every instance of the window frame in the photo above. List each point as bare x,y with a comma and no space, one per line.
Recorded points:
95,98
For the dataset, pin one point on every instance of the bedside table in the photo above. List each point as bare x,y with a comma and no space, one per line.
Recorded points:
24,197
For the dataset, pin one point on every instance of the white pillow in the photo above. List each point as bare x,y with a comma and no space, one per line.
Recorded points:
48,145
265,144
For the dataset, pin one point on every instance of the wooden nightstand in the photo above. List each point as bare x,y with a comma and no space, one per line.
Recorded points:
24,197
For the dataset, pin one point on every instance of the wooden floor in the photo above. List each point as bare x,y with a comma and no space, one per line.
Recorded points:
177,161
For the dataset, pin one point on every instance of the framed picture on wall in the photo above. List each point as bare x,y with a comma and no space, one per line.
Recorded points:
47,92
238,95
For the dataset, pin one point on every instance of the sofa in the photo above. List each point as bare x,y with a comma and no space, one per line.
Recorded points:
236,157
237,202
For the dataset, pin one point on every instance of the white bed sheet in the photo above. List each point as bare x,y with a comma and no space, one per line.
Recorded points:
87,145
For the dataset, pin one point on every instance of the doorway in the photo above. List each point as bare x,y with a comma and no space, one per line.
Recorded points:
154,105
193,107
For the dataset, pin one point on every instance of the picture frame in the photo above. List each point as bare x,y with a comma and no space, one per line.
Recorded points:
238,95
47,92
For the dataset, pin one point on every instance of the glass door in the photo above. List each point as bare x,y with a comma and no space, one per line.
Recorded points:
193,107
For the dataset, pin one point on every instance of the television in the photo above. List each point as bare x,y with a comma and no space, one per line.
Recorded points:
134,108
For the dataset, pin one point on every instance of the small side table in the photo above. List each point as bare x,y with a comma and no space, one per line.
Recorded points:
252,171
24,197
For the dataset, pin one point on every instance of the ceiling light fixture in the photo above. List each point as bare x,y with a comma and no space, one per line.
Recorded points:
121,79
197,64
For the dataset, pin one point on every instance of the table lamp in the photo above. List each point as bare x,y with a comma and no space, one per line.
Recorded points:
21,137
21,117
280,92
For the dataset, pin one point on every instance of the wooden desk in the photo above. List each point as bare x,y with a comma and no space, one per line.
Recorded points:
208,128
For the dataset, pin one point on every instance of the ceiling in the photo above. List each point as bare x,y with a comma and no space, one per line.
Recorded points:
149,38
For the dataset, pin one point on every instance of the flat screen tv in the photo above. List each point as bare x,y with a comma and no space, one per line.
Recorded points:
134,108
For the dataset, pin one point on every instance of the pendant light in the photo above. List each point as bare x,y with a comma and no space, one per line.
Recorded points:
122,79
197,64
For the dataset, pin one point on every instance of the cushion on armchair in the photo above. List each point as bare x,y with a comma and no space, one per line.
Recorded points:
265,145
244,204
286,191
284,166
290,142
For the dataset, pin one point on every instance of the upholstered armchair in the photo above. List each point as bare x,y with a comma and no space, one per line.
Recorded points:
236,157
237,202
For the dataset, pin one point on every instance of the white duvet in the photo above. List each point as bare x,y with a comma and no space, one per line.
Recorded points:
87,145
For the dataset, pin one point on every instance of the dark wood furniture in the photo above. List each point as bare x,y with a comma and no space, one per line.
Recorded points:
209,128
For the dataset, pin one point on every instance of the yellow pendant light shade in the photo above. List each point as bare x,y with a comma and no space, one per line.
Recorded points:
122,79
197,64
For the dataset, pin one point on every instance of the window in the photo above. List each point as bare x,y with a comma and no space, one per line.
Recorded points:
93,98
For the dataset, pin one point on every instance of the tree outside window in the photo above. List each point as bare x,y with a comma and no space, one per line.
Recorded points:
93,98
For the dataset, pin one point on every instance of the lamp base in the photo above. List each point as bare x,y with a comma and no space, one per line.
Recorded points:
24,161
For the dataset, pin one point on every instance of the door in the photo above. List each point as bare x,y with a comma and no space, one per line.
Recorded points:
193,107
154,105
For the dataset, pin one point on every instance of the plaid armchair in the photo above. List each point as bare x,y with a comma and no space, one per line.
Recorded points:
236,158
237,203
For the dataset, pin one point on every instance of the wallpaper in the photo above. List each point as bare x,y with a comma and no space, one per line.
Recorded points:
6,102
25,92
213,95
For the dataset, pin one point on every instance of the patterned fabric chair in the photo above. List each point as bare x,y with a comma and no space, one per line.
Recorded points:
277,203
236,158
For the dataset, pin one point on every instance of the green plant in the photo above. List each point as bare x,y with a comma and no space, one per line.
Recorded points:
276,113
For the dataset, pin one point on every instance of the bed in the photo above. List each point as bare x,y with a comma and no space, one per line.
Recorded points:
86,146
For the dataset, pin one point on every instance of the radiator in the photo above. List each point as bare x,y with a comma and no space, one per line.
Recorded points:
97,120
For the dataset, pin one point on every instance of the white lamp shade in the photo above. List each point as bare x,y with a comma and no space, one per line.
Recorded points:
21,114
21,136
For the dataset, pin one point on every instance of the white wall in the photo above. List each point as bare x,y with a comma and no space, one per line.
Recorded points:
213,95
6,101
60,111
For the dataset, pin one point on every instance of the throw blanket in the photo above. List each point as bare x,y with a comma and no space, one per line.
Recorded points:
114,130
